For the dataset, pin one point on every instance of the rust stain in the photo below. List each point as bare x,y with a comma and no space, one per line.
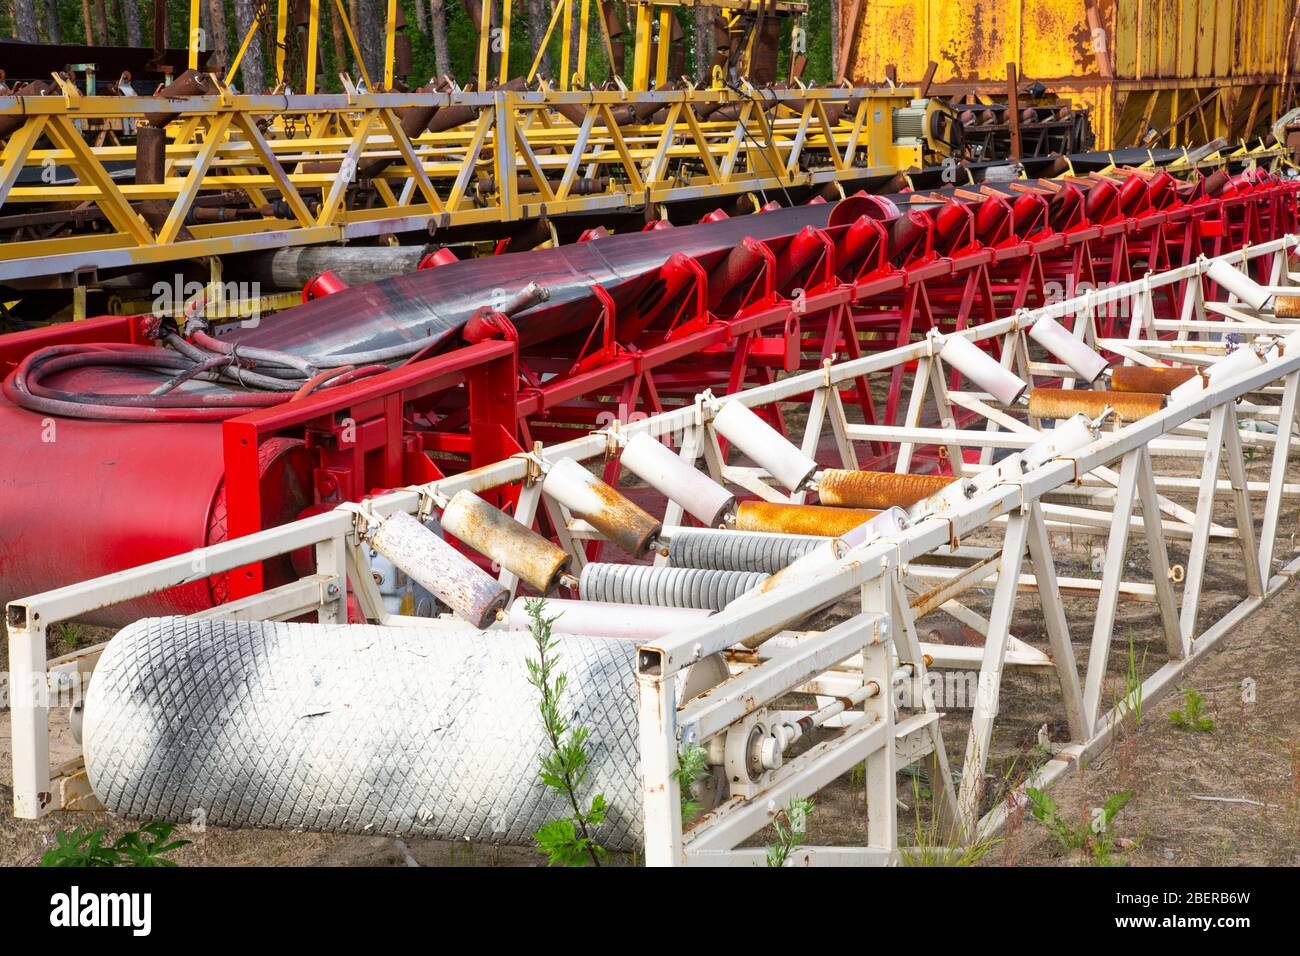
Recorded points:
1160,380
508,542
622,521
877,489
1287,307
1063,403
799,519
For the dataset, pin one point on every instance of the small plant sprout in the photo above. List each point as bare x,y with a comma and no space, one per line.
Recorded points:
1192,716
791,825
567,841
692,767
929,847
145,847
1093,839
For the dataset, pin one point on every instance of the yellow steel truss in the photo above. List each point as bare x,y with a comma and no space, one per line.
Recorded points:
519,159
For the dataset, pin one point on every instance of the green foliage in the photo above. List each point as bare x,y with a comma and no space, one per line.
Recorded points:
791,825
139,848
1130,705
1094,840
929,847
1192,717
566,842
692,767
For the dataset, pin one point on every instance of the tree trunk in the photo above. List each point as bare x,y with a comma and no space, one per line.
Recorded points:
252,76
538,18
438,24
87,24
53,28
575,25
836,54
703,43
370,37
340,41
101,21
421,18
218,41
131,20
25,20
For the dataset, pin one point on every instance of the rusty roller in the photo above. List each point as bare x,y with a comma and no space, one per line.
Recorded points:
1057,403
799,519
442,570
678,480
1287,306
762,443
876,489
493,533
1162,379
595,502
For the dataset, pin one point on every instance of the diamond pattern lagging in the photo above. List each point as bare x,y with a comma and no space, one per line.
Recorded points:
352,729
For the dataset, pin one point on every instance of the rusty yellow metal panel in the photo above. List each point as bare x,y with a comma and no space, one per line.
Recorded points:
1222,38
893,31
1125,42
1190,47
973,40
1204,38
975,46
1186,27
1148,28
1167,38
1057,41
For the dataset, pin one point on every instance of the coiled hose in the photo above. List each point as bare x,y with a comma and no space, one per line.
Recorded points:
250,378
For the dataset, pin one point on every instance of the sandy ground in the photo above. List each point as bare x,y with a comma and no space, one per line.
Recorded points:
1249,762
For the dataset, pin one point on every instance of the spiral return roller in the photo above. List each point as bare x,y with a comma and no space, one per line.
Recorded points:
665,587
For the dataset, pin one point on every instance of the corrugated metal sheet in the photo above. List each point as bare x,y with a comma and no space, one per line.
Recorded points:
973,40
1186,47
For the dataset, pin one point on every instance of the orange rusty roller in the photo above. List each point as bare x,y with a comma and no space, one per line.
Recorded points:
799,519
877,489
1160,380
1287,306
1063,403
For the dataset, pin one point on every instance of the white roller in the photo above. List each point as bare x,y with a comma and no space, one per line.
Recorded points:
889,521
974,363
1054,337
605,619
942,501
1242,286
764,444
1073,433
1237,362
678,480
1008,469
